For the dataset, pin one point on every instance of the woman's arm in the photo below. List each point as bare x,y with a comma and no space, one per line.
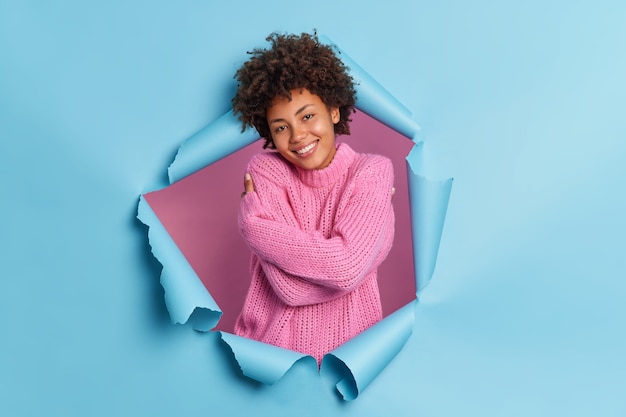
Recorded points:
290,289
295,291
360,240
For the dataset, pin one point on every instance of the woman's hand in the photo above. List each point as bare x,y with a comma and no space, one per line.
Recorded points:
248,185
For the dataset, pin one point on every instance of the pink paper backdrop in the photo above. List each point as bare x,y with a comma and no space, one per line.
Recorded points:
200,213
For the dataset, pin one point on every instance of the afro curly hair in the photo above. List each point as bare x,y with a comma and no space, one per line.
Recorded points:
291,63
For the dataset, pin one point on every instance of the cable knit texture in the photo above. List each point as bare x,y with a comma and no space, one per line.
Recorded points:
317,238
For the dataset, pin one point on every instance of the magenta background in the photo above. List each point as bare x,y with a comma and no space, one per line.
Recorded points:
200,214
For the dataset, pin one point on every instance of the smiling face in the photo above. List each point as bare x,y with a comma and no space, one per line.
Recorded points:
303,129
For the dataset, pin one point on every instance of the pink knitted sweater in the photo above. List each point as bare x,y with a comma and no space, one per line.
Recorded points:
317,238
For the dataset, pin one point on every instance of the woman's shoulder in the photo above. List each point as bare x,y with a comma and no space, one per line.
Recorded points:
372,165
268,164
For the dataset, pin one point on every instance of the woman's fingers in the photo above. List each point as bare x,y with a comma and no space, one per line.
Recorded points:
248,185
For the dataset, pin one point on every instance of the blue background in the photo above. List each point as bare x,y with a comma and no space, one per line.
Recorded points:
523,103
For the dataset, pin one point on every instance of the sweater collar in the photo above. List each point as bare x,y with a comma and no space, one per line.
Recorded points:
338,167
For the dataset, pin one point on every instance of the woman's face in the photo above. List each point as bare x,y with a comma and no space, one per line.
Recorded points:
303,129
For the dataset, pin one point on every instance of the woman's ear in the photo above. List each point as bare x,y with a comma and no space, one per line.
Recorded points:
335,115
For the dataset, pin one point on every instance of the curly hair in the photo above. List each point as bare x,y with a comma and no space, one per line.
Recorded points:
292,62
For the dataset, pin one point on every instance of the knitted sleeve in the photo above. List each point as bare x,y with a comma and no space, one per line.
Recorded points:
272,204
360,240
295,291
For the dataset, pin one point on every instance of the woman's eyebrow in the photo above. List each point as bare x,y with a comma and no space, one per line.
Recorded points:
300,110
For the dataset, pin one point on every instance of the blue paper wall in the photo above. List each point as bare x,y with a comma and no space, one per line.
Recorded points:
522,103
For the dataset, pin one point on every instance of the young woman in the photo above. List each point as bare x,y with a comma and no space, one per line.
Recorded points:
316,215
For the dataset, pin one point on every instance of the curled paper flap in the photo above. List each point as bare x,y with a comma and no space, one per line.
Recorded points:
186,298
260,361
356,363
212,143
429,204
374,100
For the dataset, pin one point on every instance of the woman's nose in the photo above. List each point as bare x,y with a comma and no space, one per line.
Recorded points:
298,133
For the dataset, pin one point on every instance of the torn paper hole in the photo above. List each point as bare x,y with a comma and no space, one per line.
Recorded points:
192,231
199,212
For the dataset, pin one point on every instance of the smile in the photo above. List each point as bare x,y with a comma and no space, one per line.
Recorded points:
306,148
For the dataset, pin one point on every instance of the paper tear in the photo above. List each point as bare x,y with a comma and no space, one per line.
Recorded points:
429,203
374,100
210,144
263,362
355,364
185,295
338,374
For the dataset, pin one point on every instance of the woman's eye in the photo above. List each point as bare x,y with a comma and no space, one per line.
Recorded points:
308,116
280,129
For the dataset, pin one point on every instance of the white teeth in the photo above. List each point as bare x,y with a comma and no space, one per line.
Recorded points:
306,149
